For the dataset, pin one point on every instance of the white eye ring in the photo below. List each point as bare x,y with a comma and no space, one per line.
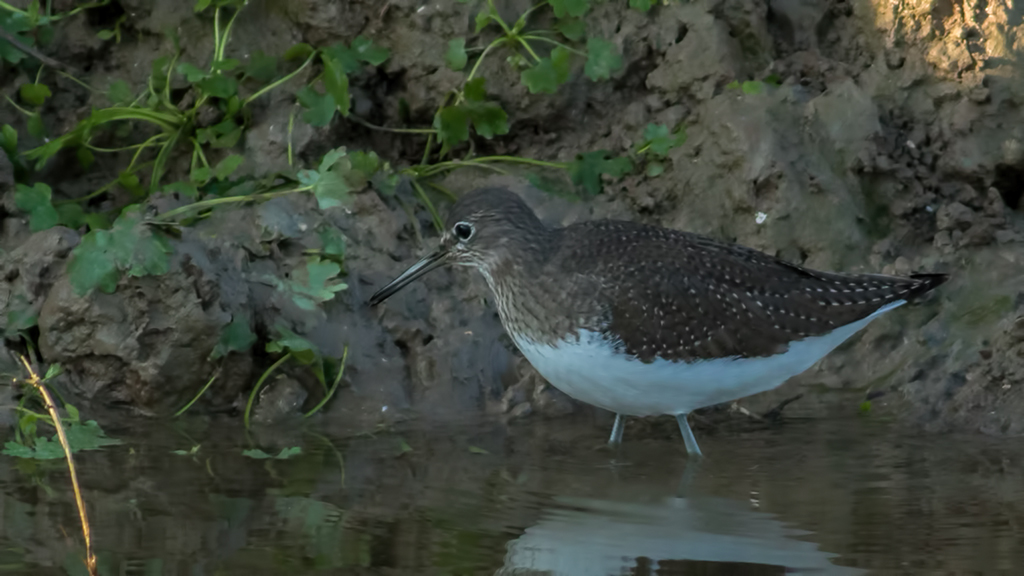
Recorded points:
463,231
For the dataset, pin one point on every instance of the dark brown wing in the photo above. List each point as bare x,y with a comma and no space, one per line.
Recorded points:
682,296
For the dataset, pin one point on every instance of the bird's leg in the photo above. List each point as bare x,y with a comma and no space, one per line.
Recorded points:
616,437
691,443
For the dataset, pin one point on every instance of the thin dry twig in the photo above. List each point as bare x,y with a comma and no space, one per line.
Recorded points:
18,44
37,383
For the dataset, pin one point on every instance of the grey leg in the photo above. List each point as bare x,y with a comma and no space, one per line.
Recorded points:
691,443
616,437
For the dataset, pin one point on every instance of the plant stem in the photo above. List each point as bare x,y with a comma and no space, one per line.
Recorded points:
476,65
201,392
277,83
362,122
37,383
227,34
482,163
18,108
522,40
448,193
259,384
555,42
498,19
77,81
430,205
334,386
291,127
210,203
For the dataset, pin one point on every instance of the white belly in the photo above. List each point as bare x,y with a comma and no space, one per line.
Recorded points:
590,371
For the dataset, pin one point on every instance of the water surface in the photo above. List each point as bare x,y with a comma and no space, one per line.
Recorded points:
840,497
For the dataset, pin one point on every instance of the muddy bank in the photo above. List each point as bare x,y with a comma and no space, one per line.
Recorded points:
861,136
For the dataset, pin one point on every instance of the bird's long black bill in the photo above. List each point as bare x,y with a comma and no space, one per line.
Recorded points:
428,263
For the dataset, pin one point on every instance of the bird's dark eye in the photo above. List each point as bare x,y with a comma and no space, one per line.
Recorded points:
463,231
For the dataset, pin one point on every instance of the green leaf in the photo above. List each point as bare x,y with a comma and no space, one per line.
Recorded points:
563,8
365,162
474,90
452,125
403,446
131,183
191,72
9,139
18,450
35,201
36,128
641,5
351,59
80,436
477,450
85,157
308,177
200,175
312,284
655,169
219,86
300,51
106,34
333,241
488,118
362,166
319,107
587,169
331,190
227,166
201,5
331,158
87,436
20,316
659,141
261,67
226,65
369,52
732,85
456,57
236,337
130,246
572,28
549,73
603,59
34,94
29,199
485,17
336,83
71,215
303,350
752,87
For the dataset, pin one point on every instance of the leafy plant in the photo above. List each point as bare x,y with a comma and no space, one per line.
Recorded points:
131,246
211,116
291,345
657,143
312,284
35,201
28,443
